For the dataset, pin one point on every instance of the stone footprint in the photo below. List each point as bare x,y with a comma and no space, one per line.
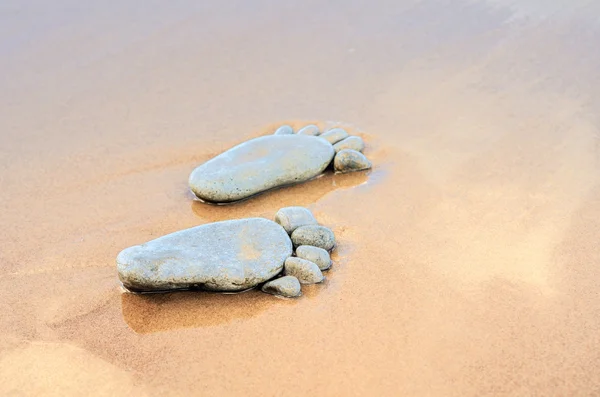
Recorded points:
272,161
233,256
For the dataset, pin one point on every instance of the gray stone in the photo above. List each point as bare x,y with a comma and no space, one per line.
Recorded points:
352,142
349,160
284,130
291,218
260,164
287,286
317,236
309,130
305,271
314,254
223,256
334,135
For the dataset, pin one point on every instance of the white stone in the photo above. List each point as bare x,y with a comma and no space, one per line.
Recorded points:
284,130
305,271
334,135
223,256
349,160
314,254
260,164
352,142
317,236
287,286
291,218
309,130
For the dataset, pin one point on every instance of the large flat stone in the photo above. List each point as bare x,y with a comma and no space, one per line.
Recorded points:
260,164
223,256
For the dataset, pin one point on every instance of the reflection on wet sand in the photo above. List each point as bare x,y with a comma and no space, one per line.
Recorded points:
146,313
267,204
468,257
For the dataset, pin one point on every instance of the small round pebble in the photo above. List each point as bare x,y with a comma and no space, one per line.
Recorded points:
287,286
305,271
309,130
334,135
315,235
291,218
314,254
349,160
352,142
284,130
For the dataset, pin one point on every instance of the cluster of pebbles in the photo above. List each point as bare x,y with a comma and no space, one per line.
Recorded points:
348,149
233,256
312,244
272,161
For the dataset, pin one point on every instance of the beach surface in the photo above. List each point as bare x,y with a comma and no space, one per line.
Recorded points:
468,258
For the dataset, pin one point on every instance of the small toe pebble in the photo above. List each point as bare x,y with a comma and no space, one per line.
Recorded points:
352,142
315,235
284,130
314,254
335,135
291,218
305,271
349,160
309,130
287,286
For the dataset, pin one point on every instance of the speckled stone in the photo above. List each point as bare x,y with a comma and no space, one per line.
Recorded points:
349,160
315,235
287,286
314,254
291,218
284,130
352,142
334,135
223,256
309,130
305,271
260,164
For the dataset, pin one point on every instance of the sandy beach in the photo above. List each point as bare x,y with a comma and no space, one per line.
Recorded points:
468,258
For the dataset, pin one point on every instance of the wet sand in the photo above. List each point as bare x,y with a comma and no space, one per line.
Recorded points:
468,257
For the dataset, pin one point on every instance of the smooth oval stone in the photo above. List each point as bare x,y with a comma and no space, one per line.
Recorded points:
349,160
260,164
291,218
305,271
284,130
334,135
315,235
309,130
223,256
314,254
287,286
352,142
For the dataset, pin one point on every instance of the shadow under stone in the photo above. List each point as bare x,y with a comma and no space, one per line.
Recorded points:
268,203
148,313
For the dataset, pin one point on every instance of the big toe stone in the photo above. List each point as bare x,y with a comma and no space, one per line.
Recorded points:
349,160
